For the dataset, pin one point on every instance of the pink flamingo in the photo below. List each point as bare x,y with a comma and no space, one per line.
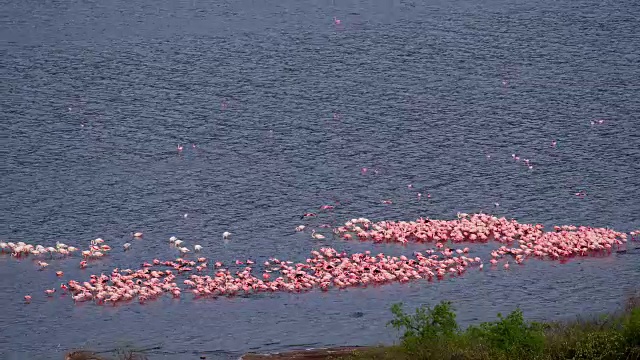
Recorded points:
316,235
327,268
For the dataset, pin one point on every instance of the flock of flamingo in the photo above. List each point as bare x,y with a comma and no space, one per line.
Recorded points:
329,268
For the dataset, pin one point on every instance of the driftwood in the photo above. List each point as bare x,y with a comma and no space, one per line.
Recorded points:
82,355
89,355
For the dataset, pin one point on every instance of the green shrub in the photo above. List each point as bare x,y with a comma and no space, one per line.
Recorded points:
427,323
511,335
633,353
427,327
602,345
561,340
631,328
433,334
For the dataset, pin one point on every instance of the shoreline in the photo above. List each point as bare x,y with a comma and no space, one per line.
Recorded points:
433,333
308,354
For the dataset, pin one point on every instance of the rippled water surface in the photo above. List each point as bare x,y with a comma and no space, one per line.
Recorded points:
285,107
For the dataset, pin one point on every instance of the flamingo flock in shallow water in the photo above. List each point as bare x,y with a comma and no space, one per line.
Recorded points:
328,268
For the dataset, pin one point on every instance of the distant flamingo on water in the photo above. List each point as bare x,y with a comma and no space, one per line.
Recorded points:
316,235
336,21
307,215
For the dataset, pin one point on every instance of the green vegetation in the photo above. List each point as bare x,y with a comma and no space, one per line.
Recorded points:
433,333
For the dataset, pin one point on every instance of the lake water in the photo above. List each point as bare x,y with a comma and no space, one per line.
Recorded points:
285,106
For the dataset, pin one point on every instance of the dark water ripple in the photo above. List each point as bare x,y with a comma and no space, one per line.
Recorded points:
285,109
